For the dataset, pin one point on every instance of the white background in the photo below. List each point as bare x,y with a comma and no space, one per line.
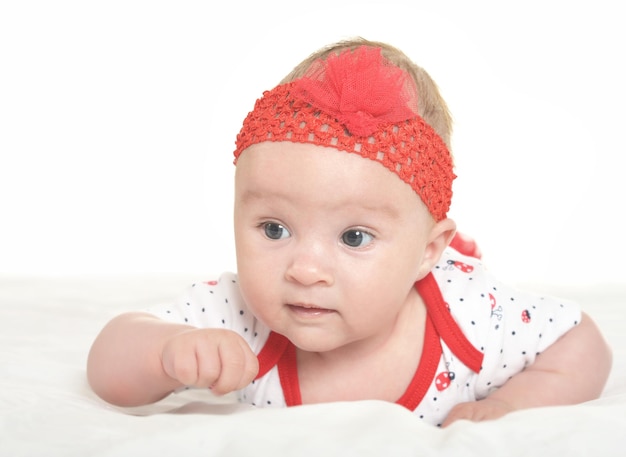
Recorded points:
118,120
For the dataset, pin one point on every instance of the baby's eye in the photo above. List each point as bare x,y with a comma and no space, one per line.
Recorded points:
356,238
275,231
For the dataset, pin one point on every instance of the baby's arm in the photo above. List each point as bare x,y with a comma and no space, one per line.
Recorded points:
138,359
573,370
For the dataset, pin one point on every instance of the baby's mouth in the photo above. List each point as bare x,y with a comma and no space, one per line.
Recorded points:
308,310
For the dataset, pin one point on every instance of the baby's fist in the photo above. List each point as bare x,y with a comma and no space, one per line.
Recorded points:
220,360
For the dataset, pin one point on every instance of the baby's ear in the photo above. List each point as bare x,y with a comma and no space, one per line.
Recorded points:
440,237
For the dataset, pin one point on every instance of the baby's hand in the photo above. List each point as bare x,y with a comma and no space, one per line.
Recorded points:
210,358
481,410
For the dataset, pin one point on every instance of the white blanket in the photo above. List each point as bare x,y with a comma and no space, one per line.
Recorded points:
47,408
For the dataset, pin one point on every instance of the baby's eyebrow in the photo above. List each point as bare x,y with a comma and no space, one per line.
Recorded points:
370,207
388,210
254,194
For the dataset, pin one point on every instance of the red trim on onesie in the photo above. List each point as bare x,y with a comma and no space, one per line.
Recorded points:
271,353
446,326
426,370
288,374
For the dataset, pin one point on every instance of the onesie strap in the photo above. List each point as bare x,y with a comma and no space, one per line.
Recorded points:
426,370
447,327
271,353
278,351
288,375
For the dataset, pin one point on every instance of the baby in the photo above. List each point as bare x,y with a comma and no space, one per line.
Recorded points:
348,287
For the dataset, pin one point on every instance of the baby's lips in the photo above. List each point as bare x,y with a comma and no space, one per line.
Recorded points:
306,309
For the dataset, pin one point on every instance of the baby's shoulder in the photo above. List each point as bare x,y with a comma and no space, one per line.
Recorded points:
484,307
462,280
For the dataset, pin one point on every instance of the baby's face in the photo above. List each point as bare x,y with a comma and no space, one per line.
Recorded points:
329,244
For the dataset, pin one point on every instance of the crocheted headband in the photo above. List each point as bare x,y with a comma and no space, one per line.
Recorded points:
356,101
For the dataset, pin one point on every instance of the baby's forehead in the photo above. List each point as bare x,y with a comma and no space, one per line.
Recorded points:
319,175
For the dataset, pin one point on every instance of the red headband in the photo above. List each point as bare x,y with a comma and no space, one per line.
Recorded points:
358,102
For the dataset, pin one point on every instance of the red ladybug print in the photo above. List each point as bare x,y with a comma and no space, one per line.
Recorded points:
443,380
495,311
211,283
465,268
526,316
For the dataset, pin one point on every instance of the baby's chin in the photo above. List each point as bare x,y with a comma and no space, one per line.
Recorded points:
314,342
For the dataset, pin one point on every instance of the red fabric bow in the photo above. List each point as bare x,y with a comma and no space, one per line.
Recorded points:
360,89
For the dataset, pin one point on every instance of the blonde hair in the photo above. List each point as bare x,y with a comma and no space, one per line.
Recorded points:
431,105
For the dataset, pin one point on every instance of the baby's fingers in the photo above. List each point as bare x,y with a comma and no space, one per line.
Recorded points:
181,359
210,358
238,366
